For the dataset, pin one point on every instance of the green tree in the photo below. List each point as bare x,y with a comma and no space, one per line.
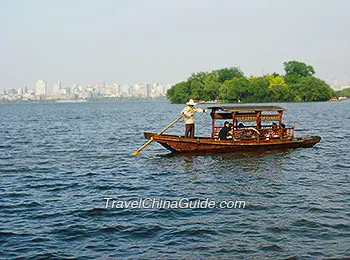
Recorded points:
228,74
296,70
223,91
312,89
238,90
211,87
260,90
197,90
280,93
200,76
229,84
276,81
179,93
344,93
278,89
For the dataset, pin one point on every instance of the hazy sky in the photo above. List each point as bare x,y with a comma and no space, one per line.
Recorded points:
116,41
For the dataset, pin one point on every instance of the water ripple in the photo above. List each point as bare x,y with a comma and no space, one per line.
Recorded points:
59,161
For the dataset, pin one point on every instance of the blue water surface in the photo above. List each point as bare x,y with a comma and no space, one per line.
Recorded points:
59,161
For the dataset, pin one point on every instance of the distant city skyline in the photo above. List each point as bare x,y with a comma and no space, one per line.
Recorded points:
57,84
133,42
84,92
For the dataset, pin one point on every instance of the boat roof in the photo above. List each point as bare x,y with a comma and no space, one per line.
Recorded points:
248,108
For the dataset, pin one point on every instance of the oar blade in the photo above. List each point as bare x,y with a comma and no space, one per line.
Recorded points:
135,153
141,148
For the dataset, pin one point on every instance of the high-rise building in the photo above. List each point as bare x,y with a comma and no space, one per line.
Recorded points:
125,90
20,91
110,90
139,90
117,88
40,88
57,87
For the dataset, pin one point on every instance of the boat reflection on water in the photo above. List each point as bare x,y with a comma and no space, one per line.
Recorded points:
237,155
252,161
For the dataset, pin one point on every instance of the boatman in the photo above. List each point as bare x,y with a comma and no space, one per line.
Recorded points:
188,113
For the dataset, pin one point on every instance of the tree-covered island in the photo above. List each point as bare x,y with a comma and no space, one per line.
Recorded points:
230,85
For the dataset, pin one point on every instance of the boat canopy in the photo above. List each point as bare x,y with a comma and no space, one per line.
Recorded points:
256,114
248,109
248,113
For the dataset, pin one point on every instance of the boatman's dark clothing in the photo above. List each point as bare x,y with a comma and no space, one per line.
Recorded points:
189,131
224,133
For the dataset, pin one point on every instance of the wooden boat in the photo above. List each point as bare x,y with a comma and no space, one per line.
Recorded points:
337,99
253,137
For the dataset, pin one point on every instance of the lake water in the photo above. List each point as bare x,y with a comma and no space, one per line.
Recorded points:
59,161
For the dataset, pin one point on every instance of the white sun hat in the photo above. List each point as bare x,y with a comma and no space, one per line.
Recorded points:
191,103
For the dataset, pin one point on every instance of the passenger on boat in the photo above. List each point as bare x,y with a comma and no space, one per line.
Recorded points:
284,131
258,124
188,113
274,126
240,133
224,133
275,130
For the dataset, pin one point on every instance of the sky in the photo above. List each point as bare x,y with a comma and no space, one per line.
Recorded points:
138,41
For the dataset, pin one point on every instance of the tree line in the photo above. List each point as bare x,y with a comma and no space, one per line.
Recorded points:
230,85
343,93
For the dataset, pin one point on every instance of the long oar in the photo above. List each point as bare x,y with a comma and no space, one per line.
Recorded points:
150,141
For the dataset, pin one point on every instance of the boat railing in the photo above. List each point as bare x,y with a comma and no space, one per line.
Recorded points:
281,133
253,133
216,131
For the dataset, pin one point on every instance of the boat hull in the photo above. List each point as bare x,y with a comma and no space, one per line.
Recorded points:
180,144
